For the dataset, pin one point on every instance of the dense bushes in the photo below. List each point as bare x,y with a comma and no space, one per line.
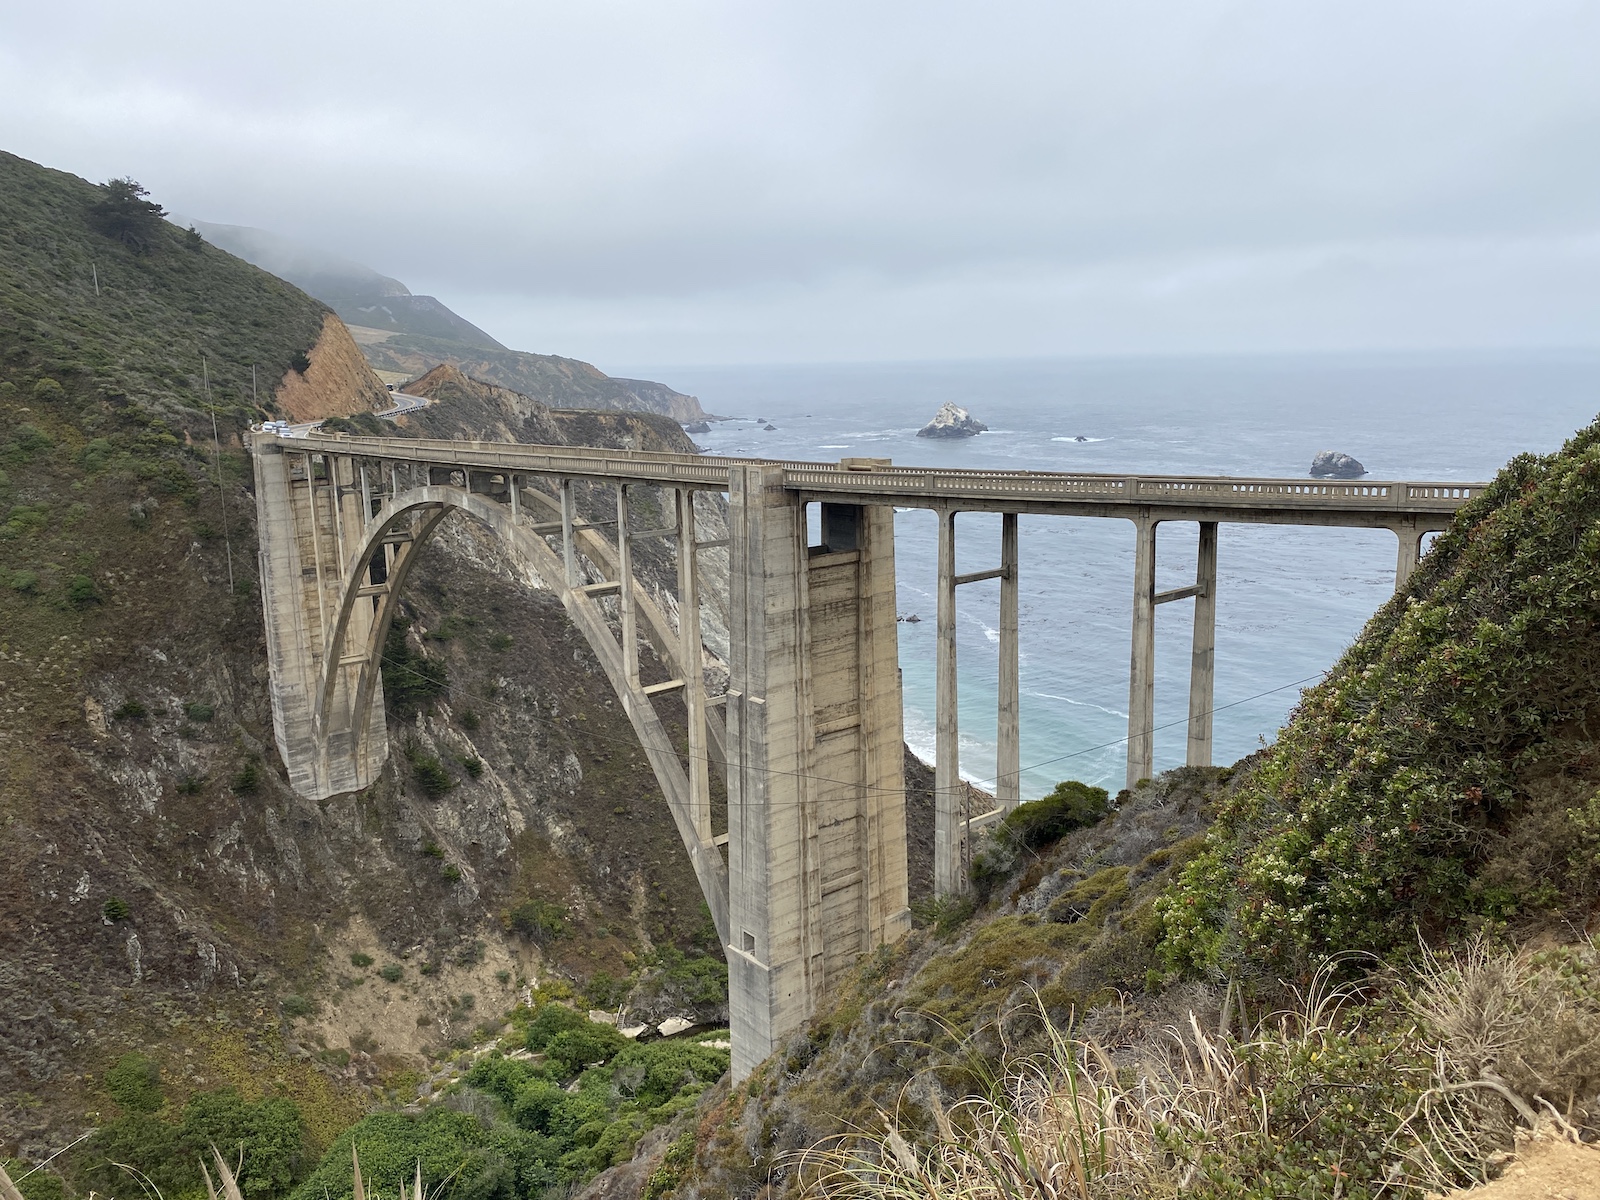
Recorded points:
1446,773
166,1146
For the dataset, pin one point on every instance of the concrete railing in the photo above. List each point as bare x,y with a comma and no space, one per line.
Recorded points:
910,485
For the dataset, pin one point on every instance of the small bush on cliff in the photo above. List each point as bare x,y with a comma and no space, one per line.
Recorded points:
135,1083
410,679
1447,772
1072,805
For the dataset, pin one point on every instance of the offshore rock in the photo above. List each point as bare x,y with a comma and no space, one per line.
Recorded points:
952,421
1330,464
697,427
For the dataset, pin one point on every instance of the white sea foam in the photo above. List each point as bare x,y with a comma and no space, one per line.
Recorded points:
1111,712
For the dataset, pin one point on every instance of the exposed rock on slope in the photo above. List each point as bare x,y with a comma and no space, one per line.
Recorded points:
338,383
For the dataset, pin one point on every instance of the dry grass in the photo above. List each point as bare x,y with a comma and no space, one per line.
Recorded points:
1419,1098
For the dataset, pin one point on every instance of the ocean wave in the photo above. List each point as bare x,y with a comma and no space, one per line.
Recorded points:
1079,439
1111,712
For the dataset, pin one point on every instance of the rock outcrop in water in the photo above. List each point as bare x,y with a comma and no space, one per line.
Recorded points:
1330,464
952,421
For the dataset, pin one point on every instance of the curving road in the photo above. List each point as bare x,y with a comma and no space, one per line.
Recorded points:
404,404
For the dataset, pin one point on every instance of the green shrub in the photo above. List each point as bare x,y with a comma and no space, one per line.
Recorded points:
450,873
116,909
361,960
81,592
432,849
134,1083
410,680
470,720
1032,826
248,779
198,712
550,1020
473,765
391,972
25,582
538,919
1439,776
571,1051
129,710
432,775
296,1005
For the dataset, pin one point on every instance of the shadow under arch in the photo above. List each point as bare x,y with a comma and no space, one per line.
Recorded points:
406,522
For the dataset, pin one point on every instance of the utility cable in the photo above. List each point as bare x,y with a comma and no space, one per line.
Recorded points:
634,742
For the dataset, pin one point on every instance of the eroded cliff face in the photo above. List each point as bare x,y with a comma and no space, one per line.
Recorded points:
258,935
338,382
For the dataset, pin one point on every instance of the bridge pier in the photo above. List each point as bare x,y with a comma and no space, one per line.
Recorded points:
954,821
1203,662
1142,665
816,794
1410,535
1142,657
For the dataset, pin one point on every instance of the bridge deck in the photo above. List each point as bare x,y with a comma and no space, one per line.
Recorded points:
868,481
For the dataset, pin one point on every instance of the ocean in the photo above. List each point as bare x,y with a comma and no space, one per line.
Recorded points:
1290,599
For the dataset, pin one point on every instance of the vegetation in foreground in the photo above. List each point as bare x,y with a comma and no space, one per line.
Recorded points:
558,1099
1400,1090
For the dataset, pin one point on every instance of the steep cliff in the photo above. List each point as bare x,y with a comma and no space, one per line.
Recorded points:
336,382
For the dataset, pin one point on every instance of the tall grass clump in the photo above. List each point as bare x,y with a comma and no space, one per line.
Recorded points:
1345,1094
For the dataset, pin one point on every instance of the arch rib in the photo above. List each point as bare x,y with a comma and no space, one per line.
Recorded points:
428,506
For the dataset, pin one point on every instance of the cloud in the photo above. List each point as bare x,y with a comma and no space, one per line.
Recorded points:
726,182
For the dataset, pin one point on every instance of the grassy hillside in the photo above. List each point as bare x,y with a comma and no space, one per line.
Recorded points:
161,305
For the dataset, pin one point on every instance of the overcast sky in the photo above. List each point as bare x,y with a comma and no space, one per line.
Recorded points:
658,182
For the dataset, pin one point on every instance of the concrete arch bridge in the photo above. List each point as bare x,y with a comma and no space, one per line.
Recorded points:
810,871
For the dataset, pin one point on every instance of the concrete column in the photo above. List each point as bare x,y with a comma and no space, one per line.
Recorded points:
1203,664
772,929
515,499
692,656
1410,552
625,603
569,553
816,800
1008,752
949,796
1142,661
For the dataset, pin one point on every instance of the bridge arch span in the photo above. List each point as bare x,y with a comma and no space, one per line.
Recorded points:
347,722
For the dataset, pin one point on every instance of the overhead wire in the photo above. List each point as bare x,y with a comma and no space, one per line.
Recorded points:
635,742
